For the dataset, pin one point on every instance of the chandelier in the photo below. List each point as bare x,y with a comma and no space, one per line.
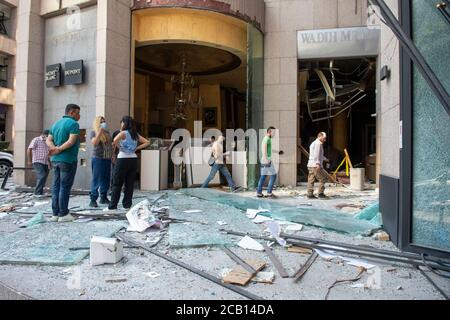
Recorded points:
184,83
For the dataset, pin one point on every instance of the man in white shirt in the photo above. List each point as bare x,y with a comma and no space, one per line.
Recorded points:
315,167
220,166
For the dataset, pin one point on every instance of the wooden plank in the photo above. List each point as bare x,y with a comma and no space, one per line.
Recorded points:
283,273
242,277
301,250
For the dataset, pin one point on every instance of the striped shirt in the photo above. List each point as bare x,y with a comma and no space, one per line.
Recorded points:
39,150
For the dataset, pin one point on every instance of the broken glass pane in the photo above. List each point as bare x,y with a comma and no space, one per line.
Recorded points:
48,244
327,219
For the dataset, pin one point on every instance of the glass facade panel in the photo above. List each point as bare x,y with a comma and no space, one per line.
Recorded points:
255,95
431,132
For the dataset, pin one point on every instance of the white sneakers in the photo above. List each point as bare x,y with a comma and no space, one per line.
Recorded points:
68,218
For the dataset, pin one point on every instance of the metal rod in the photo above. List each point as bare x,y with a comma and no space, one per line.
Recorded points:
283,273
181,264
239,261
300,273
356,251
433,283
442,9
87,248
367,249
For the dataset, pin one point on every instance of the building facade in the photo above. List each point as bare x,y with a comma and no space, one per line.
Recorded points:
302,66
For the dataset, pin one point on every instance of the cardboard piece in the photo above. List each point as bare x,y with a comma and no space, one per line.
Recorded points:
240,276
105,251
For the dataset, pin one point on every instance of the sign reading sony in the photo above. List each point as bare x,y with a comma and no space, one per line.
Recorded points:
338,43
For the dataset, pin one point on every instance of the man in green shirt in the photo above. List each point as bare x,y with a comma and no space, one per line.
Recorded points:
267,167
64,144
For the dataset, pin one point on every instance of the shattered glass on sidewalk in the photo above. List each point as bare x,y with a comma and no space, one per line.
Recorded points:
326,219
48,244
202,228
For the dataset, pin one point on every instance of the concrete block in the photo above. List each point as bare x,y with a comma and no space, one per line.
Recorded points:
288,70
281,44
325,14
272,71
350,13
296,15
271,119
105,251
280,97
272,17
288,174
288,123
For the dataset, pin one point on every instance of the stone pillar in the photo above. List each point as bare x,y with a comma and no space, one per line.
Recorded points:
389,114
29,83
113,60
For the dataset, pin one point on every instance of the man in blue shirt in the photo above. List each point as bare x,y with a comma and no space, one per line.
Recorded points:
64,144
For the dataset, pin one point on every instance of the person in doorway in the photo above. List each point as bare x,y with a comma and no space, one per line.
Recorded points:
101,162
38,157
64,144
267,167
129,142
218,165
315,167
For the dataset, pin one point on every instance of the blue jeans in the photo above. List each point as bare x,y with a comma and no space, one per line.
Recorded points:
63,179
224,171
41,171
101,178
265,172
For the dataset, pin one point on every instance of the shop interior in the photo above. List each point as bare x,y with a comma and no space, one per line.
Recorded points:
339,97
177,84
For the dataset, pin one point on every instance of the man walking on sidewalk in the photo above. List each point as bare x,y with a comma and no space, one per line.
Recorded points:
64,144
219,165
315,167
38,158
267,166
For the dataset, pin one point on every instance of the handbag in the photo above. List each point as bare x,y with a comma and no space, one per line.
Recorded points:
212,160
266,165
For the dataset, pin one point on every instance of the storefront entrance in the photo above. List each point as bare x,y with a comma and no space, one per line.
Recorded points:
339,97
191,67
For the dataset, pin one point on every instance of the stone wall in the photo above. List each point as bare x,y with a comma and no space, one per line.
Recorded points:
64,44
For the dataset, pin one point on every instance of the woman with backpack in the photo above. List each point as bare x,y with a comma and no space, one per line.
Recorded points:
129,142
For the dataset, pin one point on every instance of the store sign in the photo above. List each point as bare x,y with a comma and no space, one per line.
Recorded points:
74,73
53,75
339,43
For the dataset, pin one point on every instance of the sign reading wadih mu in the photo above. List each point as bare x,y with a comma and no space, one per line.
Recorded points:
338,43
73,74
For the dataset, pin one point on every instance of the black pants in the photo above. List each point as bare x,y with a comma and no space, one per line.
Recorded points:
124,173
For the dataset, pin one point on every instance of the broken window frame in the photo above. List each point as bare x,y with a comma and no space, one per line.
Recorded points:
407,64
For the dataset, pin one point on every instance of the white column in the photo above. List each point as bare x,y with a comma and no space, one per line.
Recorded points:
29,82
